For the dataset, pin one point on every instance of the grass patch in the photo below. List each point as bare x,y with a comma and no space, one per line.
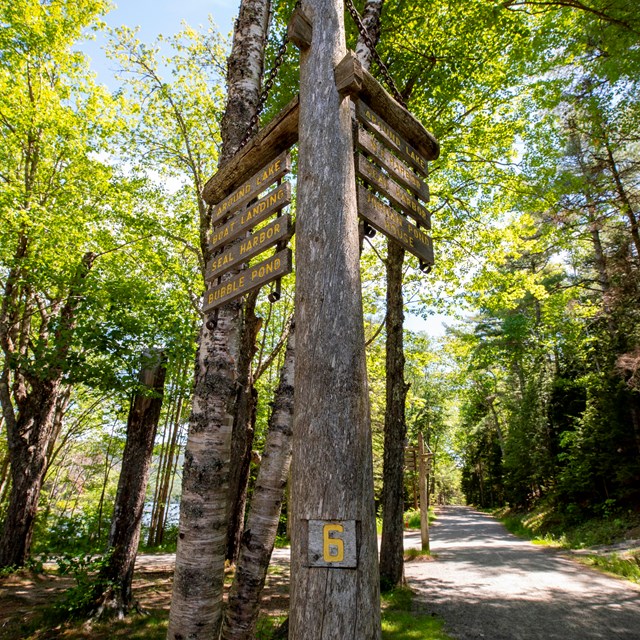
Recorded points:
627,566
267,626
400,622
412,518
415,554
282,542
134,627
551,528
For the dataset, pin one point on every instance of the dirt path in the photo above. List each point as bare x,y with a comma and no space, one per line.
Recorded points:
489,584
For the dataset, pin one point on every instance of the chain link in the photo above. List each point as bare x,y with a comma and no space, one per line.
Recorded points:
268,85
367,40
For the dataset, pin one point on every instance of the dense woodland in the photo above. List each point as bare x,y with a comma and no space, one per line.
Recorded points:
530,399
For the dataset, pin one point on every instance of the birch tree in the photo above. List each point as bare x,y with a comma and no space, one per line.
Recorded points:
196,606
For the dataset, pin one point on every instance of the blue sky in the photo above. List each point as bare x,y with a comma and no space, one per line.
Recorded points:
158,17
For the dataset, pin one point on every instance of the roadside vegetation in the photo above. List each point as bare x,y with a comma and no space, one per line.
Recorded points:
608,543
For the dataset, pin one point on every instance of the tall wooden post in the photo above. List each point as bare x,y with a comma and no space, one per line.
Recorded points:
335,583
424,495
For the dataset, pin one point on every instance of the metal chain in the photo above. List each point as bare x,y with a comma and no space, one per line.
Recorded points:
268,85
367,40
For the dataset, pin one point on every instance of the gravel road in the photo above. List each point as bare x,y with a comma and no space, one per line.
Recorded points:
486,583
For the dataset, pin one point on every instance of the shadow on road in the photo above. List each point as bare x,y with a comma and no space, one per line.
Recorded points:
487,583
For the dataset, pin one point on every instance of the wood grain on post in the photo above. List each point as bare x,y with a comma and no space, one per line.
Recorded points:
332,463
424,502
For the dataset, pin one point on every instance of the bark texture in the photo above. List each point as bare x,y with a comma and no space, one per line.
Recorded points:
332,462
196,604
623,197
262,523
371,17
243,429
126,522
395,428
32,423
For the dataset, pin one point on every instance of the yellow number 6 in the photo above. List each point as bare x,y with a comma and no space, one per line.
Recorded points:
333,547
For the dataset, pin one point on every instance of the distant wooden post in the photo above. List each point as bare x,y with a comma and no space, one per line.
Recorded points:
424,495
334,574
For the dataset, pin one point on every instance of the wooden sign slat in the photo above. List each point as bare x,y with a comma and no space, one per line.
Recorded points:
256,184
254,214
248,279
388,188
392,224
398,169
352,79
387,135
280,229
278,136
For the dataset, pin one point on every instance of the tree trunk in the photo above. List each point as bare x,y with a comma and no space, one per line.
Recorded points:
114,581
262,524
164,495
196,604
332,460
28,447
163,462
424,495
395,428
625,202
371,16
31,429
243,430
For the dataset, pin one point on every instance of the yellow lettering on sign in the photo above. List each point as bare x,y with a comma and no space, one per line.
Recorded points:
333,548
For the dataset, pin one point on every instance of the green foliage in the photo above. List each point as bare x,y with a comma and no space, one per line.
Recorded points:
549,526
412,518
626,566
80,599
399,621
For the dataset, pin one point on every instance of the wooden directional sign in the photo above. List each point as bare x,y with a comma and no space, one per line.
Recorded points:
354,80
396,168
280,229
392,224
278,136
255,185
254,214
388,188
248,279
387,135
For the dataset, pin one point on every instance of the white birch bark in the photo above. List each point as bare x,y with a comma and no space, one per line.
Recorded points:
196,605
262,523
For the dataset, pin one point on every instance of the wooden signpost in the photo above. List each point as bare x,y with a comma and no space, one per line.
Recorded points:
388,221
390,165
393,165
392,191
388,136
277,231
393,169
264,208
248,279
334,574
238,213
